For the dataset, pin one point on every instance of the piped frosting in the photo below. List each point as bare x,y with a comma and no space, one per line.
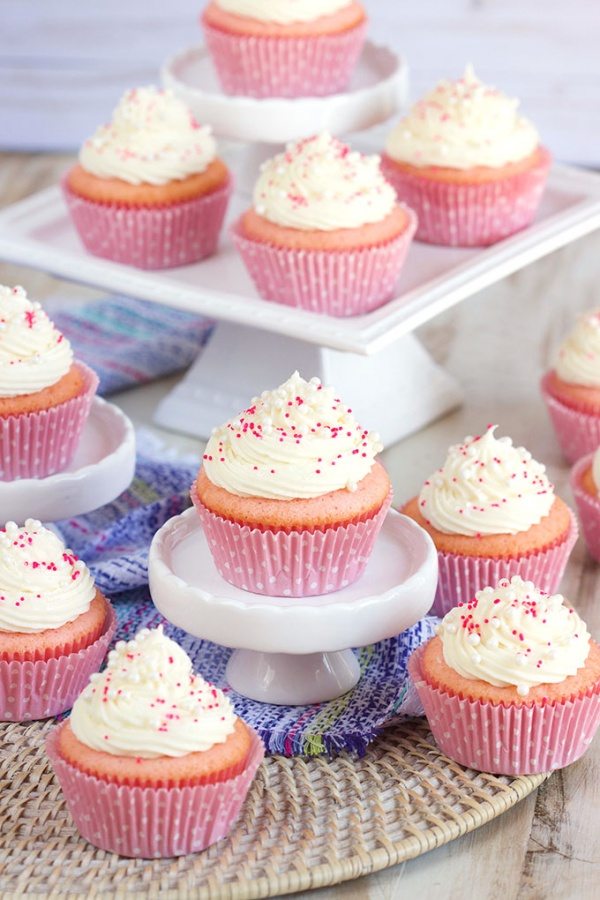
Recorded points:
578,358
282,12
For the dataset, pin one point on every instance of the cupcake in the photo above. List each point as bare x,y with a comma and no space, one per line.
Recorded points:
325,232
492,513
511,684
290,495
585,484
153,761
274,48
149,189
572,389
45,396
469,165
55,626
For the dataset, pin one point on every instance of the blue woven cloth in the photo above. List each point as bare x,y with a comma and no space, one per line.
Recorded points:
114,542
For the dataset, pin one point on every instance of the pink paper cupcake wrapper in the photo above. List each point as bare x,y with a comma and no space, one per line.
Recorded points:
289,564
588,507
460,577
578,433
150,237
469,215
334,282
507,740
47,687
255,66
152,822
37,444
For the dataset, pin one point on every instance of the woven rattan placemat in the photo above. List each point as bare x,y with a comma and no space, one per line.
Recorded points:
305,824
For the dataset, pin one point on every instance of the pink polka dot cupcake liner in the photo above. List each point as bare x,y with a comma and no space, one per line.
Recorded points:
507,740
469,215
255,66
460,577
150,237
38,444
289,564
333,282
147,822
578,433
588,507
47,687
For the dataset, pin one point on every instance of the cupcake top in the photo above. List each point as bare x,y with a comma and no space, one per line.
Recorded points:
148,703
462,124
298,441
42,584
153,138
33,354
319,184
487,486
578,358
282,12
515,635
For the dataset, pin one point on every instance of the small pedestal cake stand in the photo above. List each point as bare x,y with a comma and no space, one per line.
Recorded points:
287,650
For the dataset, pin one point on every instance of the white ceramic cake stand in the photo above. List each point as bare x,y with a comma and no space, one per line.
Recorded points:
101,469
293,651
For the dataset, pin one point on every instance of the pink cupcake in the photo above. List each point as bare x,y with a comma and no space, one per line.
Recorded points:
273,48
572,389
290,495
45,395
511,684
55,626
492,513
149,189
471,168
325,232
585,484
153,761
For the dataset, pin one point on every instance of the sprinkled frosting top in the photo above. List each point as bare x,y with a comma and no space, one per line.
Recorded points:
578,359
283,12
462,124
33,354
320,184
148,702
297,441
514,634
487,486
153,138
42,584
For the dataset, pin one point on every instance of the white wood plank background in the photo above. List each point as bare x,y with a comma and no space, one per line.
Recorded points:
63,63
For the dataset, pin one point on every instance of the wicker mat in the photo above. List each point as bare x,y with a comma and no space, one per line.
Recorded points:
305,824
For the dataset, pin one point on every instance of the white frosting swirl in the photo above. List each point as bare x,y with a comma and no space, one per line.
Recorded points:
148,703
487,486
282,12
42,584
297,441
514,634
153,138
320,184
462,124
578,358
33,354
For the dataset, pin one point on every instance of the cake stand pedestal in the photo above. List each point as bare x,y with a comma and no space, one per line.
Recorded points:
293,651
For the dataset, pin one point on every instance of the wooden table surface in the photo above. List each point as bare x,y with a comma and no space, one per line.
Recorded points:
497,344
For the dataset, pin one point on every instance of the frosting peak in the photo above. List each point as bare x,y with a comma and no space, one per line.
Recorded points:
487,486
514,634
320,184
42,584
297,441
282,12
461,124
33,354
153,138
148,702
578,359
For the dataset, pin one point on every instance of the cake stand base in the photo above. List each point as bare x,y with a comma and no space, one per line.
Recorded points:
395,392
292,680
